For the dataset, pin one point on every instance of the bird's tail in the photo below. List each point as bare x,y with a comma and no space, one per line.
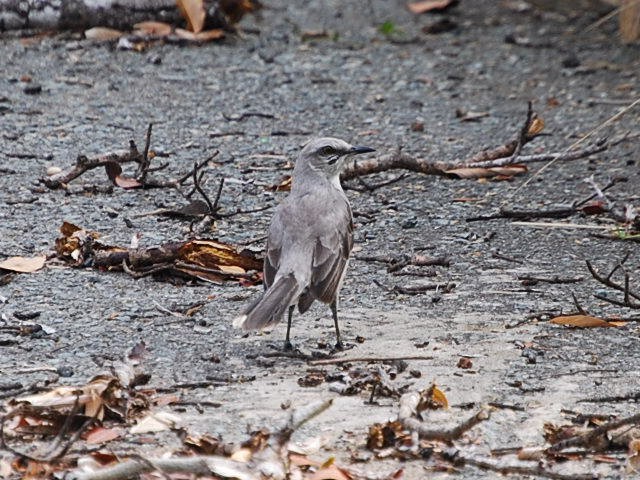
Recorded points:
270,307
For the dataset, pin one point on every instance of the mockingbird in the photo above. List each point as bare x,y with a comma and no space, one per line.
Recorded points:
309,242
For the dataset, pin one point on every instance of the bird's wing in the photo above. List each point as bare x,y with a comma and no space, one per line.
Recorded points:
273,251
330,257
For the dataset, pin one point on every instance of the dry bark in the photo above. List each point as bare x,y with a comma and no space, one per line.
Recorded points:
119,14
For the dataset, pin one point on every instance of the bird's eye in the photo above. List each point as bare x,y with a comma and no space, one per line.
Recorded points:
326,151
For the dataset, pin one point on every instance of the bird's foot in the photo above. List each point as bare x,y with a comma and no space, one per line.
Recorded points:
288,346
340,347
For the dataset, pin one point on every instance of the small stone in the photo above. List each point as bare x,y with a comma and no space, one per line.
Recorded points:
32,89
53,171
465,363
571,62
417,126
65,372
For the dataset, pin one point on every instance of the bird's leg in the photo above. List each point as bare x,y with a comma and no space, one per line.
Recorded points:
334,312
287,342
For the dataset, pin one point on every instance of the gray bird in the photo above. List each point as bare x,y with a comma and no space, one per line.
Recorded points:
309,242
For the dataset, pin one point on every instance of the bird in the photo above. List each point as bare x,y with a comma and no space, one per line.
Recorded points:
309,240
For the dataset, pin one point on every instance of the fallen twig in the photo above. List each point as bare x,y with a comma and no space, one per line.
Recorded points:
143,167
197,465
526,214
57,449
213,464
337,361
534,471
598,147
407,415
595,436
418,289
532,280
628,293
84,164
504,155
397,263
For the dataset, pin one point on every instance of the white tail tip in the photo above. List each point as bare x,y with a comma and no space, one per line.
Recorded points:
238,322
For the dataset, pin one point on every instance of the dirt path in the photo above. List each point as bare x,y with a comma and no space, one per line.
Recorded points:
368,88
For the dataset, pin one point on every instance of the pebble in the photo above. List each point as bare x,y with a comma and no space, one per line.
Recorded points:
32,89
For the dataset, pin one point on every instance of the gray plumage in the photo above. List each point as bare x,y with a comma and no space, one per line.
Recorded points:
309,241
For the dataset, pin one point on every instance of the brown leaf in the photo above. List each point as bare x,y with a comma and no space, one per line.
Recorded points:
300,460
465,363
23,264
283,186
159,29
193,12
204,444
633,461
104,458
114,171
102,435
487,172
583,321
331,472
594,208
205,36
437,397
383,435
67,229
236,9
429,6
535,127
102,34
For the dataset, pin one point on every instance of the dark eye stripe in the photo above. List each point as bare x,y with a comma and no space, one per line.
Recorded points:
326,150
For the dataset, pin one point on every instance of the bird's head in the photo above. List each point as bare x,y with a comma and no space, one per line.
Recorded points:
328,154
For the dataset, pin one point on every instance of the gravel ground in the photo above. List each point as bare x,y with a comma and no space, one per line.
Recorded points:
368,88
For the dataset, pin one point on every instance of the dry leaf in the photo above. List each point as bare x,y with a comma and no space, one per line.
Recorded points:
90,396
594,208
583,321
429,5
102,435
302,460
383,435
536,126
331,472
205,36
194,13
205,444
633,462
438,397
465,116
159,29
235,9
23,264
102,34
114,172
283,186
156,422
242,455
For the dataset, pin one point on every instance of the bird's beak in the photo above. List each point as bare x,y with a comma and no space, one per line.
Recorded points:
358,150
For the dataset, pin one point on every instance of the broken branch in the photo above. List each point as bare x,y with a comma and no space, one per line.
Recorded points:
407,415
